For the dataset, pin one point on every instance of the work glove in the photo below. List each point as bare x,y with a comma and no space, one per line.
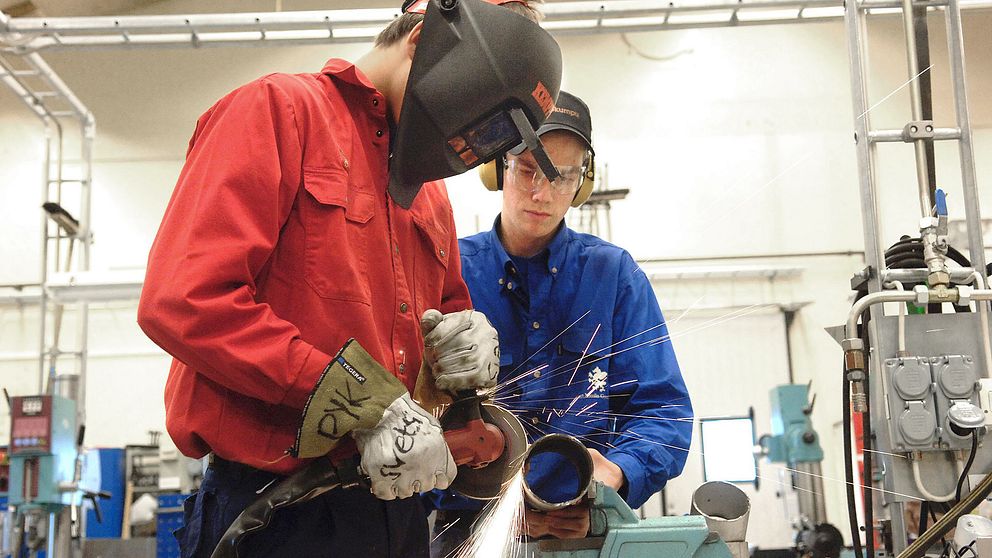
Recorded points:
402,446
405,453
461,348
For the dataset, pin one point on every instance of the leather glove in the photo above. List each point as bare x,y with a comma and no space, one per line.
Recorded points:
405,453
354,392
461,348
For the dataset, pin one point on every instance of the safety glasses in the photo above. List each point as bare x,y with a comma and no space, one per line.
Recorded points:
524,175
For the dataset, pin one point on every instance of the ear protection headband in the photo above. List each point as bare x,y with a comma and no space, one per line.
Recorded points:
492,172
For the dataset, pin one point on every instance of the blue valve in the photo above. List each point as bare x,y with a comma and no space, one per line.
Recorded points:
941,203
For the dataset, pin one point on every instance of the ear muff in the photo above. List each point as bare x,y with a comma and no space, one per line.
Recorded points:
491,174
588,183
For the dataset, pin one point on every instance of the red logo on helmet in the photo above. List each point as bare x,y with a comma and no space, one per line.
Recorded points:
543,98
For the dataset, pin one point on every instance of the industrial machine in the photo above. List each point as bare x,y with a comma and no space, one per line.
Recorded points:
45,474
715,528
794,442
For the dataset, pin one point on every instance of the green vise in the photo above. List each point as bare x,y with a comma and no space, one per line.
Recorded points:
617,532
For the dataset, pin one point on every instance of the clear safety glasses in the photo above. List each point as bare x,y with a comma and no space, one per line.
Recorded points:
524,175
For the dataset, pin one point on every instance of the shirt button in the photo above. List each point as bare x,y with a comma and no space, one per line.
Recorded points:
375,102
535,325
513,269
403,307
378,133
443,254
534,420
510,285
402,367
501,281
554,270
537,373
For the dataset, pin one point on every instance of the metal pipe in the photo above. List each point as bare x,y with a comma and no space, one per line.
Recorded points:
939,134
969,182
809,481
24,35
983,313
851,331
854,23
53,79
958,275
922,177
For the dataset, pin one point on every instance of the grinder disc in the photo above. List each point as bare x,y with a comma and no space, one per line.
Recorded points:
486,483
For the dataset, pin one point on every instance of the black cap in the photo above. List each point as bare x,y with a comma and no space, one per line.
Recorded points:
571,114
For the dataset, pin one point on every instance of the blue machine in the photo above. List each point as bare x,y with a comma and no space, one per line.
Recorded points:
793,439
617,532
42,453
794,442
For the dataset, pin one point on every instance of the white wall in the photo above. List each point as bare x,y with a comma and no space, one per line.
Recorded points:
738,145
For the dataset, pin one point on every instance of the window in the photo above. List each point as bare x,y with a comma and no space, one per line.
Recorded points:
728,449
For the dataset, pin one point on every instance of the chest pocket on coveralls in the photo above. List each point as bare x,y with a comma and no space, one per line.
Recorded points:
336,217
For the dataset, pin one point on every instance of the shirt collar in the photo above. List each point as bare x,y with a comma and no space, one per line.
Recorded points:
503,260
556,250
348,73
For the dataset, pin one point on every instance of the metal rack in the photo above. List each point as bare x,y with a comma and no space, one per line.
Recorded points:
60,111
920,131
24,35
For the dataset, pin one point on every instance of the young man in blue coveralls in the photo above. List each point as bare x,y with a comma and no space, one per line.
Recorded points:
582,307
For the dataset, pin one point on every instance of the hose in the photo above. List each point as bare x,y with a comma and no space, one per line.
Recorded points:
946,523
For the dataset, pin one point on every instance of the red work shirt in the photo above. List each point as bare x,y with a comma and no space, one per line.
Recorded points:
280,243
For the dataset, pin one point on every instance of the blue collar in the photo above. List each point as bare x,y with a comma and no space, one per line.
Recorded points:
557,250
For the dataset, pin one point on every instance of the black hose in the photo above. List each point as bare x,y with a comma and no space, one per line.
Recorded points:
967,466
852,512
924,511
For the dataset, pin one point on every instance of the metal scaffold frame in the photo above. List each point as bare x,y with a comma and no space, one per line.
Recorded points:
24,35
922,132
50,99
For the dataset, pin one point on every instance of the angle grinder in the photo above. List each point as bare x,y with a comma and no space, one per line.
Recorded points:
487,442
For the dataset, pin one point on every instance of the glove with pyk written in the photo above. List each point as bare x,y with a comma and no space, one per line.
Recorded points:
405,453
461,348
353,392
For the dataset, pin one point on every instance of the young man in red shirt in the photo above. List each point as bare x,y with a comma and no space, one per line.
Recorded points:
307,214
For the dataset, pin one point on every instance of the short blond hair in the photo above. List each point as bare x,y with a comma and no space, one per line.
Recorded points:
401,26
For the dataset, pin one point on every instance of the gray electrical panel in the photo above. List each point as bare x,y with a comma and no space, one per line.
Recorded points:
922,392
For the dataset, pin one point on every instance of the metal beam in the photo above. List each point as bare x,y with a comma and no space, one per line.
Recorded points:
21,35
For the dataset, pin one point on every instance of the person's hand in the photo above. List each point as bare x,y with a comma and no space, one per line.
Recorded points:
606,471
461,348
405,453
567,523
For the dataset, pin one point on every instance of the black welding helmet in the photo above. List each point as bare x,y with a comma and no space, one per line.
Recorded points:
483,78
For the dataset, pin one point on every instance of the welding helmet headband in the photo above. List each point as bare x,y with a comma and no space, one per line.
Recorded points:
482,79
